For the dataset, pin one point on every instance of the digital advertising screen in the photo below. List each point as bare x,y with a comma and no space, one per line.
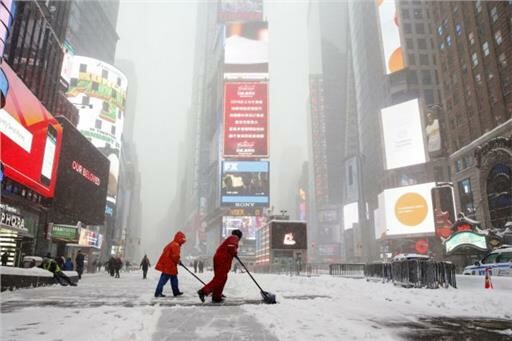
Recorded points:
350,215
403,135
234,10
30,138
289,235
390,36
247,224
82,179
246,119
246,47
245,182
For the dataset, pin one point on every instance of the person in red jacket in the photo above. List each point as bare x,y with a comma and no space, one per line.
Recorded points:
168,265
221,266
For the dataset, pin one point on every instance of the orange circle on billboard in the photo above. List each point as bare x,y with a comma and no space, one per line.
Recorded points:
411,209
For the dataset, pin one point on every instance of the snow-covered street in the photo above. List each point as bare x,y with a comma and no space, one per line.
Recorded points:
322,308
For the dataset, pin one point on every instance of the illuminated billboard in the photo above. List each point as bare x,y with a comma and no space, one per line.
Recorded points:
90,238
247,224
403,135
246,119
235,10
289,235
350,215
82,179
246,48
245,183
407,210
99,92
31,138
390,36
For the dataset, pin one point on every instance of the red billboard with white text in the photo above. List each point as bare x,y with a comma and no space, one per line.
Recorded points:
30,138
246,119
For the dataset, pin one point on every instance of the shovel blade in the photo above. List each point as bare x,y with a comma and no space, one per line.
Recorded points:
268,297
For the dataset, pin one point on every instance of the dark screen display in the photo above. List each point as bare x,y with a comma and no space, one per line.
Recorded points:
82,178
289,235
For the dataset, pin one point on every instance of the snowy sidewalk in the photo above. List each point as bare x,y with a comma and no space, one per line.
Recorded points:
320,308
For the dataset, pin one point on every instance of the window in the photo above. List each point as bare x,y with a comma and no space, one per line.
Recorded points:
73,82
83,68
494,14
490,258
97,124
478,79
503,59
440,30
504,257
114,94
422,44
418,13
407,28
85,100
449,41
95,86
409,43
465,194
490,76
350,176
441,46
405,13
458,29
471,38
428,96
113,130
420,28
423,59
104,74
474,59
118,81
412,59
498,37
485,49
412,77
426,78
106,106
478,6
119,114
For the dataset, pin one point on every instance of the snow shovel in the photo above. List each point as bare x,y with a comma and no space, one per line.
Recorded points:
193,274
268,297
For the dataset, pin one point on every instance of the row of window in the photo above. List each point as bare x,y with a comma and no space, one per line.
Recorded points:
94,86
104,73
98,124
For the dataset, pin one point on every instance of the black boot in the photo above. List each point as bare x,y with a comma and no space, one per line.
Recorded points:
201,295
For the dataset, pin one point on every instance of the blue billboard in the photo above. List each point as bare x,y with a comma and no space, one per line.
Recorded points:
245,184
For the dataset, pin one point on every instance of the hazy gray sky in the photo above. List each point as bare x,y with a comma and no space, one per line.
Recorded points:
158,37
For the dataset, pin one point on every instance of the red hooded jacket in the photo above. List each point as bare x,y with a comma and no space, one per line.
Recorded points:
170,258
225,254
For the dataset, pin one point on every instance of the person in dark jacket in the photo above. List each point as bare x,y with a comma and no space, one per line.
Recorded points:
221,266
5,258
68,265
201,266
51,265
79,261
168,265
118,264
195,265
60,261
111,266
144,264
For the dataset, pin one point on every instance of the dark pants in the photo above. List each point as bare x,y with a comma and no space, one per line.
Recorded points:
80,272
163,281
144,273
117,273
62,278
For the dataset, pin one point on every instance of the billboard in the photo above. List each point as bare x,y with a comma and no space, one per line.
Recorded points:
90,238
245,183
444,210
247,224
82,179
244,10
246,119
246,48
408,210
99,92
390,36
30,138
403,135
289,235
350,215
66,233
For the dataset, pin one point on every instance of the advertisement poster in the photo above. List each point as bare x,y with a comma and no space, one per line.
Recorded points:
390,36
248,225
240,10
99,89
245,183
90,238
246,119
31,138
289,236
246,48
403,135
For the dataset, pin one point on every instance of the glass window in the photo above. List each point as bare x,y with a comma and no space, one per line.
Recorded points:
426,77
490,258
73,82
458,29
494,14
471,38
449,41
422,44
85,100
409,43
498,37
113,129
407,28
503,59
440,30
83,67
412,59
420,28
105,106
465,192
104,74
478,6
504,257
95,86
474,59
478,79
97,124
423,59
405,13
485,49
418,13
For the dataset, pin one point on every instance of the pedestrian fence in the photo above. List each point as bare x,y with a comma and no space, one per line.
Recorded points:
408,273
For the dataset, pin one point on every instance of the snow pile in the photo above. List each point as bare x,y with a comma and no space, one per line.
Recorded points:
38,272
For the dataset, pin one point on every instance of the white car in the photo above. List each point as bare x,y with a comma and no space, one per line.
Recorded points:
499,262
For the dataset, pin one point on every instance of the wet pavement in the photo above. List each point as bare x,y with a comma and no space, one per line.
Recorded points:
454,329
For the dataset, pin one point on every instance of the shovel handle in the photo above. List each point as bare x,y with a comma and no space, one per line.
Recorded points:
238,259
193,274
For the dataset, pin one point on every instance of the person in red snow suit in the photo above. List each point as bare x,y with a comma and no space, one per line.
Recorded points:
168,265
221,266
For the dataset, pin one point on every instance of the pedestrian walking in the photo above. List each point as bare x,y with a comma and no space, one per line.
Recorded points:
168,265
79,261
221,266
5,258
118,264
68,265
144,264
51,265
195,265
111,266
201,266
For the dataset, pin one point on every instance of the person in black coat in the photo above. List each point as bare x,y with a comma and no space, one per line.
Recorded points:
118,264
79,261
144,264
5,258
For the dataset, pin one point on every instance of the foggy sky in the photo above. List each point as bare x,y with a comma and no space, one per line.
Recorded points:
158,37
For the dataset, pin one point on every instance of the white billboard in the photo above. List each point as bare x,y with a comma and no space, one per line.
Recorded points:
390,36
406,211
350,215
402,130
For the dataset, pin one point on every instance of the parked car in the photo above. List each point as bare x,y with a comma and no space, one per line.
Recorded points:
499,262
